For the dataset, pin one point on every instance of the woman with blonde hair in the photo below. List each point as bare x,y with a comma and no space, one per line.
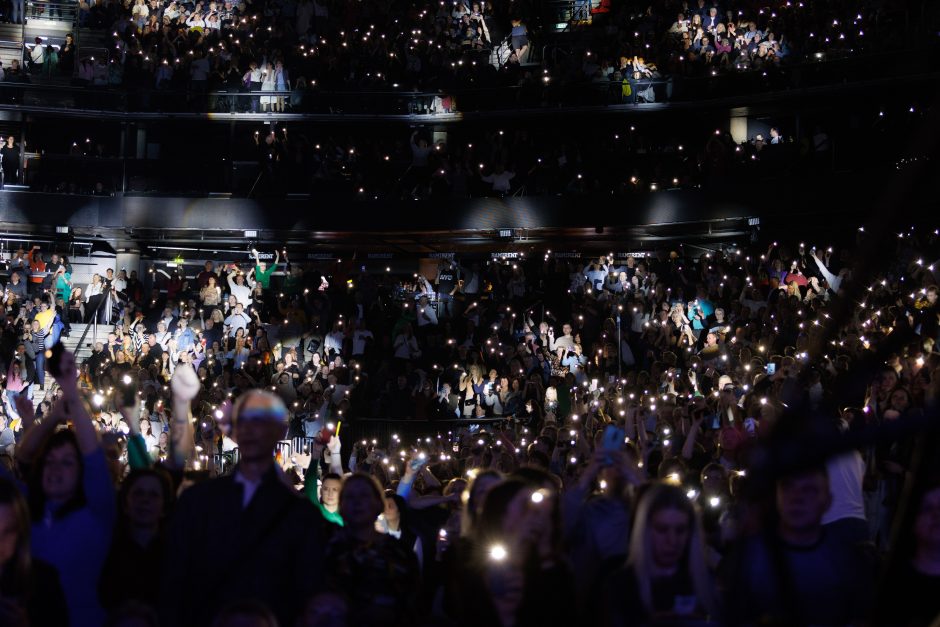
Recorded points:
683,330
666,577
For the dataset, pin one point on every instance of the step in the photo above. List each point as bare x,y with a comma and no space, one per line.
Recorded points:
11,32
93,38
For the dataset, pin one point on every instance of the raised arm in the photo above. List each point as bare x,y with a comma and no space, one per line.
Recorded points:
35,433
185,385
74,408
137,454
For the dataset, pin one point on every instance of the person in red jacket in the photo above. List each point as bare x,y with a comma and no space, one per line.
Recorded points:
37,271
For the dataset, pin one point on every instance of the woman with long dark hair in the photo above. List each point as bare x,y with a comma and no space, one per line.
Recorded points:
502,576
29,587
137,548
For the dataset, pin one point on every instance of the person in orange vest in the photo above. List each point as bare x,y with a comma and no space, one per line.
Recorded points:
37,271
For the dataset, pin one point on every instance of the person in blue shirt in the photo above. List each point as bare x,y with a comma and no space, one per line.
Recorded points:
185,338
70,494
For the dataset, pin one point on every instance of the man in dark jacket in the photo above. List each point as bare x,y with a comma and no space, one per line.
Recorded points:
244,536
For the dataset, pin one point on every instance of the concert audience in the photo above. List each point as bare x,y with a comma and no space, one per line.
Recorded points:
670,437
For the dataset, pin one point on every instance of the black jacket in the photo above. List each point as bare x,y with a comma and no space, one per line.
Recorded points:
218,552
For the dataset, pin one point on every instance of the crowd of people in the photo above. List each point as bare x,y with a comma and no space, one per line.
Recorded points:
300,49
718,437
701,38
291,46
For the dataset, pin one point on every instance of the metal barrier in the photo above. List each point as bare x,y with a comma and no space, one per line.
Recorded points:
408,431
94,91
55,11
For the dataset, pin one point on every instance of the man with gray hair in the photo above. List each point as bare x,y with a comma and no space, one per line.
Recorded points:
264,539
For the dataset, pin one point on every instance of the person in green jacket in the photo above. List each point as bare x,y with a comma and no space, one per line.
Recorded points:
327,500
263,272
63,285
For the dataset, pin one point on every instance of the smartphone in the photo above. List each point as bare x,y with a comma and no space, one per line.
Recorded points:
613,438
714,421
54,359
771,368
128,392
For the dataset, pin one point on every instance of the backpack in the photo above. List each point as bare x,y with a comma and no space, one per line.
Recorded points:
626,90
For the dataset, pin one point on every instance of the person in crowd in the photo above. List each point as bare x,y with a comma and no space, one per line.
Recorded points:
70,493
799,571
666,576
377,572
10,163
625,487
138,545
912,580
269,538
30,587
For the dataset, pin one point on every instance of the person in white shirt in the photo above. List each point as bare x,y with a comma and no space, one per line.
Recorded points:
566,341
237,320
426,314
333,342
240,289
120,283
500,180
162,336
95,288
37,55
359,339
406,345
846,514
146,431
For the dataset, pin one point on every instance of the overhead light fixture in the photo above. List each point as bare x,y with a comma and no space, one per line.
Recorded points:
251,233
63,230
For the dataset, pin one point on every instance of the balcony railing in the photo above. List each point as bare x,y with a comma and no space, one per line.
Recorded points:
94,93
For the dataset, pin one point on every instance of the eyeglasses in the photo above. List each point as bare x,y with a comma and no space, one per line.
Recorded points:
263,414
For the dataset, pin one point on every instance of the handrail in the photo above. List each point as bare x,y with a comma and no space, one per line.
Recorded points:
730,88
81,340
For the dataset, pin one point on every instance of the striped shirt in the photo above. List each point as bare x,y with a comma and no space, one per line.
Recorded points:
39,341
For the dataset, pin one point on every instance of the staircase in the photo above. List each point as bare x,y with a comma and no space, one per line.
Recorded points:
82,353
93,41
11,44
